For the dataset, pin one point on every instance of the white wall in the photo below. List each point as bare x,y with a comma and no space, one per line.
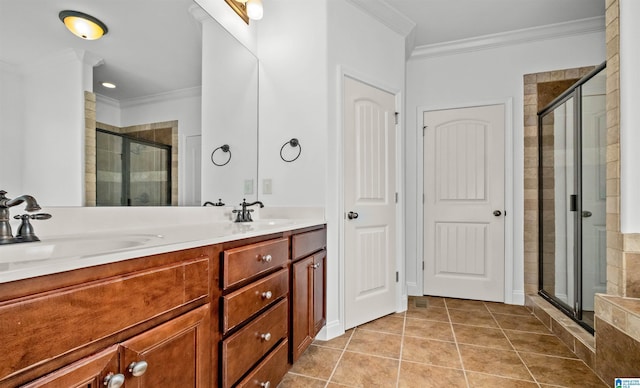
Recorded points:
12,114
629,117
292,48
473,78
229,116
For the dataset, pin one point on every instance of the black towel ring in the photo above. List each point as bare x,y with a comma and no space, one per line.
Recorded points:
293,143
224,148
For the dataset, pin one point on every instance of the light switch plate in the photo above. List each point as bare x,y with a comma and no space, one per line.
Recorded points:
267,186
248,186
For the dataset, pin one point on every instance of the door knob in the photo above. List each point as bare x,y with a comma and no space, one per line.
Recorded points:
586,214
352,215
497,213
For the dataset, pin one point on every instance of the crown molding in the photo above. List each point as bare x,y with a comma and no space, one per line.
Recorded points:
152,99
484,42
390,17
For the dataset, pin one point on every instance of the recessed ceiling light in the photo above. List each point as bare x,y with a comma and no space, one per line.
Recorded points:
83,25
109,85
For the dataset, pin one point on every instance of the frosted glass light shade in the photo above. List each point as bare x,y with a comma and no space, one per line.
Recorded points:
82,25
254,9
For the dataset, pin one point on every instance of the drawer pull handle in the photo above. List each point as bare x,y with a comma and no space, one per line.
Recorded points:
266,384
138,368
266,258
266,337
114,381
267,295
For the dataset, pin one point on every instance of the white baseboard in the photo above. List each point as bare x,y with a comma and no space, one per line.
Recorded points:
331,330
413,289
517,297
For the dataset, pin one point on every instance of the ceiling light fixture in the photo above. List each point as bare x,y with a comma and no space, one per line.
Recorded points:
109,85
83,25
247,9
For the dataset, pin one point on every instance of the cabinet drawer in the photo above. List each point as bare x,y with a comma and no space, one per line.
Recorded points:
246,262
245,302
243,349
270,371
47,325
304,244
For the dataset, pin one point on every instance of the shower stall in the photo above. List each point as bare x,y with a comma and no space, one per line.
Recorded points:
131,171
572,198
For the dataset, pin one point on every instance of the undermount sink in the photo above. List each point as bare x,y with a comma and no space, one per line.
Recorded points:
75,246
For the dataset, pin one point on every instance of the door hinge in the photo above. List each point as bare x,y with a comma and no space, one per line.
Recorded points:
424,129
396,197
423,265
423,198
396,117
397,276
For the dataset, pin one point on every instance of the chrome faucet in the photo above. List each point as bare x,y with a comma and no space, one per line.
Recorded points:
25,231
244,215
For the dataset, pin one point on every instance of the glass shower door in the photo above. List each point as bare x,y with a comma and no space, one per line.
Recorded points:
572,198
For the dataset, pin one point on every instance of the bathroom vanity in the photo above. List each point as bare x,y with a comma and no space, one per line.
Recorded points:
235,309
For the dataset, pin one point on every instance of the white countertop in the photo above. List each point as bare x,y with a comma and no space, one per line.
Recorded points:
140,233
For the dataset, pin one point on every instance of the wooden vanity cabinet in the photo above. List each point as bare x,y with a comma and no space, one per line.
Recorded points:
255,313
69,329
308,289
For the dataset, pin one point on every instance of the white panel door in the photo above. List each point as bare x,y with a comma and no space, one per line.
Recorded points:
369,202
464,203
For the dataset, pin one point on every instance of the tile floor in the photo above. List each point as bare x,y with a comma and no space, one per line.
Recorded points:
442,342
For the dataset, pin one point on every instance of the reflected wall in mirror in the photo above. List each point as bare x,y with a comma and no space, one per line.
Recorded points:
153,53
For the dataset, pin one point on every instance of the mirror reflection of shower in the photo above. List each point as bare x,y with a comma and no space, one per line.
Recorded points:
131,171
572,192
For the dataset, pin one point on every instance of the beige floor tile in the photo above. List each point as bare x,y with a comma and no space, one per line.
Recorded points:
472,317
504,363
336,343
388,324
414,375
481,336
539,343
430,313
363,370
480,380
431,352
296,381
317,362
502,308
465,304
376,343
428,329
561,371
521,323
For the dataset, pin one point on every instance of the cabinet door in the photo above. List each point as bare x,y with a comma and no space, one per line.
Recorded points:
302,306
90,372
319,291
177,353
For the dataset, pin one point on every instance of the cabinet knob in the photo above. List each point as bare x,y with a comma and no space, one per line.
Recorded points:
266,384
267,295
266,337
114,380
138,368
315,265
266,258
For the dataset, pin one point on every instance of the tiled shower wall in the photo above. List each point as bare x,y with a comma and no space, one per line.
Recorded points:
162,132
617,337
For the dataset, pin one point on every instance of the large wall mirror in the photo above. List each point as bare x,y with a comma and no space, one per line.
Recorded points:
183,85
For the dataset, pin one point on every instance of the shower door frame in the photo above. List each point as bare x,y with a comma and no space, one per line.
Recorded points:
575,92
126,168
